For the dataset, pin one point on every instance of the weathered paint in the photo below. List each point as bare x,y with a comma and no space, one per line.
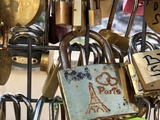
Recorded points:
96,93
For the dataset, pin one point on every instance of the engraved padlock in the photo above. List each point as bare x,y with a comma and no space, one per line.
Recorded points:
94,12
94,84
63,12
147,66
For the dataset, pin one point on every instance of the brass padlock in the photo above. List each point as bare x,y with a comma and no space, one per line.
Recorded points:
95,17
115,37
147,66
63,13
78,15
105,6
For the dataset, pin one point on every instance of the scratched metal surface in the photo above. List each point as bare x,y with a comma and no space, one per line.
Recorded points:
93,91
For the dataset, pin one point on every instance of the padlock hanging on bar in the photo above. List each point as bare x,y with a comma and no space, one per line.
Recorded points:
95,17
114,37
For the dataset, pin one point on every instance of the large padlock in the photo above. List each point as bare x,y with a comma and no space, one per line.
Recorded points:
92,84
114,37
147,67
63,13
94,12
105,6
128,4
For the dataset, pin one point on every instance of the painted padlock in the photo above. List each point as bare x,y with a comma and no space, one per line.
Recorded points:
94,12
115,37
128,4
147,67
95,85
63,12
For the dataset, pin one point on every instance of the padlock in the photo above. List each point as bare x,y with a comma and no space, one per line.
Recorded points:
156,108
20,36
152,15
94,12
63,13
105,6
147,65
51,83
78,15
128,4
56,32
92,84
114,37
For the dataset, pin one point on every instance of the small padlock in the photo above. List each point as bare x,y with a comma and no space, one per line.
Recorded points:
94,12
114,37
147,67
105,6
63,13
128,4
78,15
93,84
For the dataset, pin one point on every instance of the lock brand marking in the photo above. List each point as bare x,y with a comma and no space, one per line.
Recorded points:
72,75
153,64
95,103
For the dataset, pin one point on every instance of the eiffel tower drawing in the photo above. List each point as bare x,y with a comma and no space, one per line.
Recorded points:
95,104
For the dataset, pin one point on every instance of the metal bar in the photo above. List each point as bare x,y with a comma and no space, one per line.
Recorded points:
144,28
29,74
87,32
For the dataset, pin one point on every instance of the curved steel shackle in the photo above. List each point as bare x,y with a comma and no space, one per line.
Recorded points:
26,35
27,103
100,53
92,34
119,52
95,53
137,38
156,108
16,104
38,109
52,115
2,108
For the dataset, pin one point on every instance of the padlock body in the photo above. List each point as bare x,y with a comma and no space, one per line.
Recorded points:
105,6
147,65
89,84
95,17
115,37
63,13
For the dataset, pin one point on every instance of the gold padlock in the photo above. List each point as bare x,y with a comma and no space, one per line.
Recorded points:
78,13
105,6
115,37
63,13
94,13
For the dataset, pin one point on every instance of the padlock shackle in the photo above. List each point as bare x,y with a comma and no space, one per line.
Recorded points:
92,34
95,53
137,38
119,52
